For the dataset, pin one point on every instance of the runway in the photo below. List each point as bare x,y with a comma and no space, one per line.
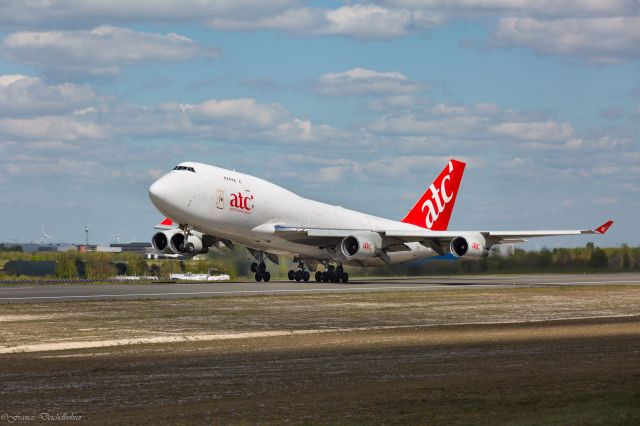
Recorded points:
449,348
79,292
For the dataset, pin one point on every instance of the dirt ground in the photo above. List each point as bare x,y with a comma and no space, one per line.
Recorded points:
567,355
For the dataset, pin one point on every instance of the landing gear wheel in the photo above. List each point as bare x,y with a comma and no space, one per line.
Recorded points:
266,276
291,275
306,275
335,277
258,276
345,277
318,276
254,267
298,275
325,277
262,267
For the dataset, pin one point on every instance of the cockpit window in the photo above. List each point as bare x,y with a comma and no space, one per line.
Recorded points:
190,169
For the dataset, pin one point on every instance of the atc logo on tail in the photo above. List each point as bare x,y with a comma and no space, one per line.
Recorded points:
433,209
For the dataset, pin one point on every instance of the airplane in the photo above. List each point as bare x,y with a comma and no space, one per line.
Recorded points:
207,206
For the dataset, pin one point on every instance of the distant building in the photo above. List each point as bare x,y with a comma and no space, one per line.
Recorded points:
105,249
36,247
142,248
82,248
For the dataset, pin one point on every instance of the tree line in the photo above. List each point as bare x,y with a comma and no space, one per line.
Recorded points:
98,266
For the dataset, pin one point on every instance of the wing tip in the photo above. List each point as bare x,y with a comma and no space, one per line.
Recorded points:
604,227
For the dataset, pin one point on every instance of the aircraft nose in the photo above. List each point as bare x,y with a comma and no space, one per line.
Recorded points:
159,192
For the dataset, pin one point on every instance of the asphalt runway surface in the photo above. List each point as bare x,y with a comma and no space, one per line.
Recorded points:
488,349
78,292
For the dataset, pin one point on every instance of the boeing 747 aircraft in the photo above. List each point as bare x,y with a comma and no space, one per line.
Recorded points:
206,206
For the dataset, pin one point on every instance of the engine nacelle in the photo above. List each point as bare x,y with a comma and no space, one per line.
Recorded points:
470,246
361,246
160,241
189,247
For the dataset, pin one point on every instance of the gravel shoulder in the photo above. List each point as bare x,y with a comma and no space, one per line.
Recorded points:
520,356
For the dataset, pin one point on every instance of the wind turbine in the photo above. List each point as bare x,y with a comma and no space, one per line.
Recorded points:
45,237
118,235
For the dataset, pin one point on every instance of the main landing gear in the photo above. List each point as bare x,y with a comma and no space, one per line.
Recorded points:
301,274
332,274
260,272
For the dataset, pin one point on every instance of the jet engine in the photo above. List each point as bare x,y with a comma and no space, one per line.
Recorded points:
361,246
470,246
189,246
160,241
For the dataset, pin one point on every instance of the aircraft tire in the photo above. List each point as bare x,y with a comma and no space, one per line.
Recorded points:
325,277
291,275
258,276
345,277
306,276
335,278
254,267
318,276
262,267
266,276
298,275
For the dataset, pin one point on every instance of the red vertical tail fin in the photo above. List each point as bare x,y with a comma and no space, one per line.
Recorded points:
433,209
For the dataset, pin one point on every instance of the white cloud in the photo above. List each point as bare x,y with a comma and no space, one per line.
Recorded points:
487,108
82,13
21,95
414,123
393,103
400,166
244,111
38,115
447,109
548,130
50,128
241,119
530,7
60,167
101,51
362,82
298,130
374,22
366,22
302,20
598,39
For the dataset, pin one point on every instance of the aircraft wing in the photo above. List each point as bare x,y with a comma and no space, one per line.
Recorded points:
437,240
497,237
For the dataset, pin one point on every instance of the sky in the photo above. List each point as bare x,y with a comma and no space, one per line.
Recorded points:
358,104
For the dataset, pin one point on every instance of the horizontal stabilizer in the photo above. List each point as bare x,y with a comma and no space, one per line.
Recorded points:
166,224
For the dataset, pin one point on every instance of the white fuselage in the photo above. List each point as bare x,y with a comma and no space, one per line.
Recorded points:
244,209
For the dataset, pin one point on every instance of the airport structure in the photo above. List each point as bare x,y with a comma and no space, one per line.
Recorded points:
141,248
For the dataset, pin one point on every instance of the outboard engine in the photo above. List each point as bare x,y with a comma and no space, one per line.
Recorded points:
469,246
361,246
